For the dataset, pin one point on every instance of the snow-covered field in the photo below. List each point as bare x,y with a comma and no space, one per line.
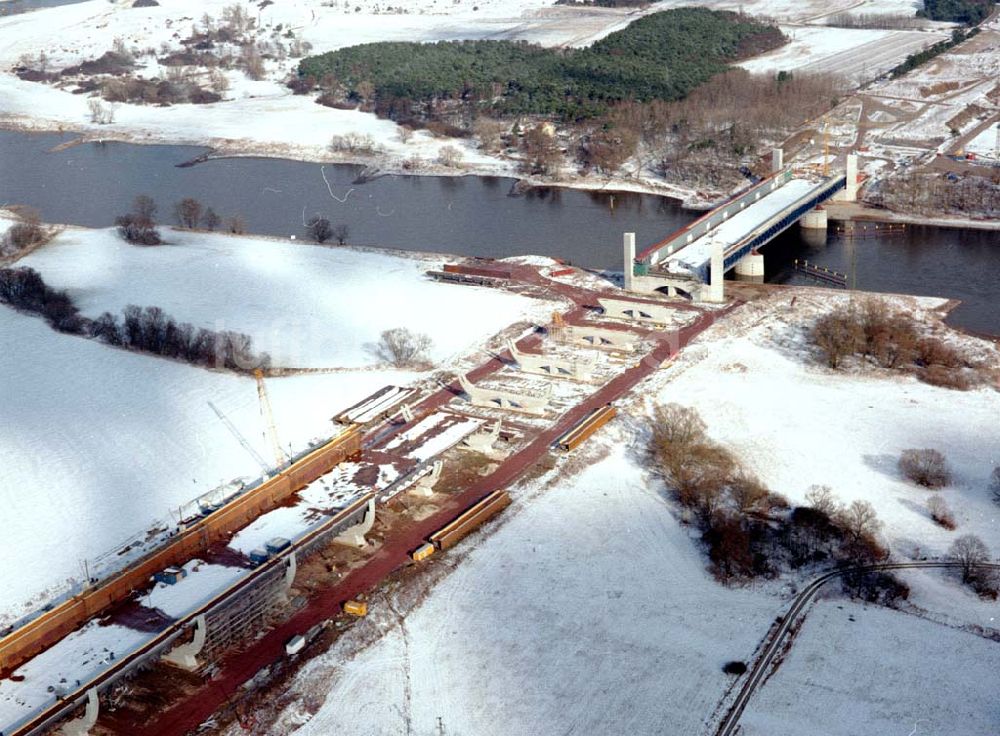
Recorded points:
545,628
308,306
987,143
857,54
100,444
263,116
590,610
796,424
867,670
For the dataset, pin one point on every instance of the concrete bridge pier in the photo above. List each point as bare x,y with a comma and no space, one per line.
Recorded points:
483,442
291,567
185,656
814,219
751,267
850,191
717,281
629,253
81,726
424,487
355,536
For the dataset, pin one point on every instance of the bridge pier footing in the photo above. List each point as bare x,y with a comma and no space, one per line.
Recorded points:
814,219
751,267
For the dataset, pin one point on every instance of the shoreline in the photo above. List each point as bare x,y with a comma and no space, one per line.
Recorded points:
857,212
380,164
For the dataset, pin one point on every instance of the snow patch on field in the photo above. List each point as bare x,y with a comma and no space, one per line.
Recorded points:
100,444
307,306
796,424
857,669
543,628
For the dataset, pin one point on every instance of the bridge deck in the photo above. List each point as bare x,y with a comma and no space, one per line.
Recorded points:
694,256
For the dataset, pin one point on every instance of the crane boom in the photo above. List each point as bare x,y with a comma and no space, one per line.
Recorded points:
265,410
240,438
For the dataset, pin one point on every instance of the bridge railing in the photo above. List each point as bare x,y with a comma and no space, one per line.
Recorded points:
777,224
710,220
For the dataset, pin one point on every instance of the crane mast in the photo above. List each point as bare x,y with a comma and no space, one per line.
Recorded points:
265,410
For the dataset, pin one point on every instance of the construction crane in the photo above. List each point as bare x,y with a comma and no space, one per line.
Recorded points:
265,410
240,438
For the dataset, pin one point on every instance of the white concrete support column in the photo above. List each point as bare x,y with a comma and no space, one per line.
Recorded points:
81,726
424,487
814,219
716,287
751,267
777,160
629,254
291,566
851,190
355,536
483,441
185,656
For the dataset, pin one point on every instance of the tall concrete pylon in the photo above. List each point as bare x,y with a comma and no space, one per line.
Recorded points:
717,280
629,255
851,190
81,726
185,656
355,536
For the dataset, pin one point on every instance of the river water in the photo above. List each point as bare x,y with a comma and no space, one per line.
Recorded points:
90,184
14,7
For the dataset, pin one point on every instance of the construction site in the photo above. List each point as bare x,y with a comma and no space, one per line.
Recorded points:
252,574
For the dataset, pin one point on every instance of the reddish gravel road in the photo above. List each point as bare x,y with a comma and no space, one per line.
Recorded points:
240,667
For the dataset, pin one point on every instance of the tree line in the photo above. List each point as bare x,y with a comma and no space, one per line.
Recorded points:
748,530
970,12
661,56
146,330
870,332
140,227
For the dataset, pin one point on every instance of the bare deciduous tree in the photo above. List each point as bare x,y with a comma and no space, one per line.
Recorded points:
319,229
926,468
747,491
139,225
449,156
188,212
837,336
402,348
210,220
341,233
100,112
940,513
489,132
822,499
995,484
252,62
860,521
969,551
27,232
236,225
541,151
